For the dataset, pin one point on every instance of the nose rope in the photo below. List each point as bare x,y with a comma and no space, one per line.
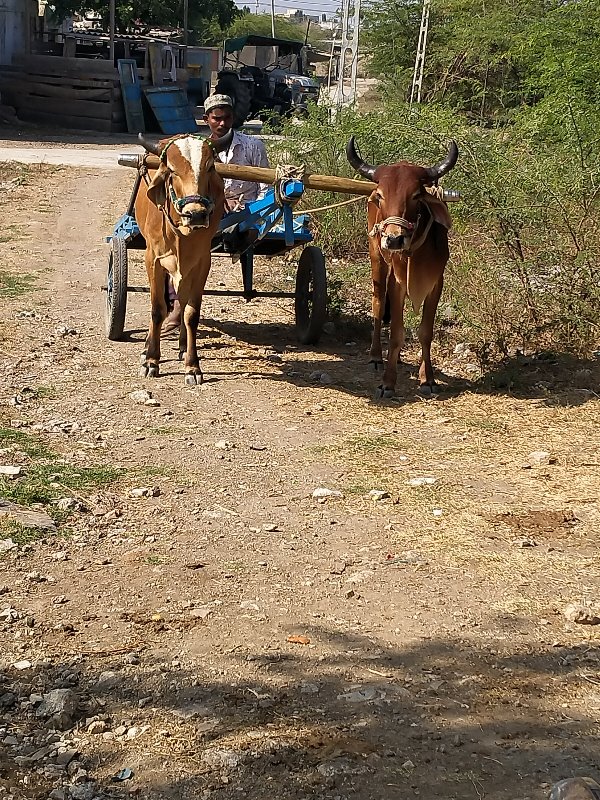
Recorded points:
181,202
379,227
407,226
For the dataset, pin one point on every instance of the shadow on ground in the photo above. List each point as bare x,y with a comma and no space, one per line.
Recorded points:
557,379
342,716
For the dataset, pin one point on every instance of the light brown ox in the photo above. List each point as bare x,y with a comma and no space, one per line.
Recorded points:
408,246
178,216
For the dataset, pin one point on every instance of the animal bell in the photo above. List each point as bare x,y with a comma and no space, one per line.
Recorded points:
450,195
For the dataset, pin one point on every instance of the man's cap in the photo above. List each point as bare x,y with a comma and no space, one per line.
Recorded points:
214,100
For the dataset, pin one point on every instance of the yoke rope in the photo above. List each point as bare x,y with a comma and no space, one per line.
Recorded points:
333,205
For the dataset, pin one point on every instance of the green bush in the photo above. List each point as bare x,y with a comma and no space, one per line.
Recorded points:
525,263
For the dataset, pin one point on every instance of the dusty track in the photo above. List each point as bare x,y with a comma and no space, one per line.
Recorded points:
471,682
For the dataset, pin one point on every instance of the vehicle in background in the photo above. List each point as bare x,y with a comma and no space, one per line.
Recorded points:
266,77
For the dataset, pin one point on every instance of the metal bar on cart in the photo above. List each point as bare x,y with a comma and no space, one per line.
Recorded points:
213,292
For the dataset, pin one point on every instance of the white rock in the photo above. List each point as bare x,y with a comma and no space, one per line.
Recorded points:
540,458
378,494
322,492
363,695
223,444
6,545
140,396
582,614
152,402
221,758
9,471
425,481
20,665
200,613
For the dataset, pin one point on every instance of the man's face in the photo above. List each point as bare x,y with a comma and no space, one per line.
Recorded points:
219,120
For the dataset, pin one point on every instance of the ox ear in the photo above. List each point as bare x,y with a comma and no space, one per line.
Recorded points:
157,192
438,209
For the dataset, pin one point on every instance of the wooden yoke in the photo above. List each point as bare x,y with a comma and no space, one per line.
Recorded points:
325,183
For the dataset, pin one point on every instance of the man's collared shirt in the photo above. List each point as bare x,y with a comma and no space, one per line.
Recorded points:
248,151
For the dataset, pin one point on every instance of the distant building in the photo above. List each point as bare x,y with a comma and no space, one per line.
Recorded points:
297,15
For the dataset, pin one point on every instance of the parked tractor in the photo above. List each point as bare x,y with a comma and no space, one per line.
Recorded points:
265,77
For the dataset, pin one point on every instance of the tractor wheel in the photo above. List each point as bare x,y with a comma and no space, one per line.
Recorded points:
240,93
311,295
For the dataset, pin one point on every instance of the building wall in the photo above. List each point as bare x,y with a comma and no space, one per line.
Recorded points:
14,28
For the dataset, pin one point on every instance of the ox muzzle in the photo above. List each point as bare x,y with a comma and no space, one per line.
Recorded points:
395,233
194,210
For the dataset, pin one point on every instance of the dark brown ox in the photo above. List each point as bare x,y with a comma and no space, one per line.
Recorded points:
178,216
408,246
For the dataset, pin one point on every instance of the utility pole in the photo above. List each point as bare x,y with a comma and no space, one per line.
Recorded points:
346,88
111,32
273,18
417,82
186,16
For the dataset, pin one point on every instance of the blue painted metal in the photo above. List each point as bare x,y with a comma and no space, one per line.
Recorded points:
125,228
171,108
131,91
272,221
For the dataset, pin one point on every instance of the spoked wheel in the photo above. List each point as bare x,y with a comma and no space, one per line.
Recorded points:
116,290
311,295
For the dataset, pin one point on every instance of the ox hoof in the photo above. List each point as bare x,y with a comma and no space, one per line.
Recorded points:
383,393
430,390
375,365
149,371
192,379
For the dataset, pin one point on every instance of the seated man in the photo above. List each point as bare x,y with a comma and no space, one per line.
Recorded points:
244,150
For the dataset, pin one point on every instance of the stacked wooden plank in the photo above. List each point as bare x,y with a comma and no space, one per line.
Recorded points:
80,93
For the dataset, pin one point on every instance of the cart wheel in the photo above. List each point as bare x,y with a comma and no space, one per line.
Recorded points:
116,290
311,295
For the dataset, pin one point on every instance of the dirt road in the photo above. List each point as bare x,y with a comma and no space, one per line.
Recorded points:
201,626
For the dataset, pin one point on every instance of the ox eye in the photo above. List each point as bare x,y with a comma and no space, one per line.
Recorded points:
377,198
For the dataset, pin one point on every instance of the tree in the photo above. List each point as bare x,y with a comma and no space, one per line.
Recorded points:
207,18
285,28
475,59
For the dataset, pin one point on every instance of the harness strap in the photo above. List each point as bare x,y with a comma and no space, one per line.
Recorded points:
180,202
421,238
380,226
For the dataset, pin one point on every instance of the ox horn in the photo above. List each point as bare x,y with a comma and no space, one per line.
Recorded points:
151,147
364,169
223,143
444,166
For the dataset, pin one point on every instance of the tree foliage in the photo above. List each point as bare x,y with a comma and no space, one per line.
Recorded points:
207,18
285,28
486,58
